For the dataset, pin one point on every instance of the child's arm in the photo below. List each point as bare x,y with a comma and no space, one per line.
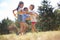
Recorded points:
36,15
14,13
14,10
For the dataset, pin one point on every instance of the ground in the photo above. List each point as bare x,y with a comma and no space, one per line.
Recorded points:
49,35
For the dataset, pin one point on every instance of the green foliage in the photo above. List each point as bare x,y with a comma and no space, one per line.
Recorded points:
47,18
4,26
17,23
57,14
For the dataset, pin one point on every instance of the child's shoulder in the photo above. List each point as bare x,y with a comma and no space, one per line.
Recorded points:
20,9
31,11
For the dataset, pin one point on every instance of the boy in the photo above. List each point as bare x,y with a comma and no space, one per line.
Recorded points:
25,16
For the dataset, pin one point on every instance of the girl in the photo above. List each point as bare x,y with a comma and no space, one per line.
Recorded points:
33,16
19,15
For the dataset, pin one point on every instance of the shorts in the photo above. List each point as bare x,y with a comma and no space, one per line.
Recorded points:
33,23
19,18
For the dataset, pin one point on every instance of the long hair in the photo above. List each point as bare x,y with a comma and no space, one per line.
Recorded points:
19,4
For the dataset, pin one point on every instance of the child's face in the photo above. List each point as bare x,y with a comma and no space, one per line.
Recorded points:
26,10
30,7
21,5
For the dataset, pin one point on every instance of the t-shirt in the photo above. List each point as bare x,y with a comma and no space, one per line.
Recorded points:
19,11
24,16
33,17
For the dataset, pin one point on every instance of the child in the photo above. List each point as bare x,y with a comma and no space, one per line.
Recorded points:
33,16
19,14
25,16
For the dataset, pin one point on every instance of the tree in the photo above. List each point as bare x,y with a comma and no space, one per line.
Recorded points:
46,17
57,14
0,28
4,26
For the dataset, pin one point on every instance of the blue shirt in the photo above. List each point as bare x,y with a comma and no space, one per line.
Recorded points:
24,16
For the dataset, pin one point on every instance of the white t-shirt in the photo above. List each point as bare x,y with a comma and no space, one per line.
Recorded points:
33,17
20,9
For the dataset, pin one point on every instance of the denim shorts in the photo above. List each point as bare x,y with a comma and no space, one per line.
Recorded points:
19,18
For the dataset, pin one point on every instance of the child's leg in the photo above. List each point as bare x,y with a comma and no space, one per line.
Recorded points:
25,27
21,27
21,24
33,26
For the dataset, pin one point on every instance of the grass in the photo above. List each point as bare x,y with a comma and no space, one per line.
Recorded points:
50,35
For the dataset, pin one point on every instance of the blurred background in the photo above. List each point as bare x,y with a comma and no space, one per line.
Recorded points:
48,10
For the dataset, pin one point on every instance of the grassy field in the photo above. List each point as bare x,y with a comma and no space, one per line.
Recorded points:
49,35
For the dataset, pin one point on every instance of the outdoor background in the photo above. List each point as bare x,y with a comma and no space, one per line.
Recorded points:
48,19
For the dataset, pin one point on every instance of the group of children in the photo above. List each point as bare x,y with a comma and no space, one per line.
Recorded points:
23,15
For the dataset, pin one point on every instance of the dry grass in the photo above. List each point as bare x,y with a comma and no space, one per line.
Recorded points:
51,35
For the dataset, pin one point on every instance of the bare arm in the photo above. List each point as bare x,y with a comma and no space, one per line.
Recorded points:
14,13
14,10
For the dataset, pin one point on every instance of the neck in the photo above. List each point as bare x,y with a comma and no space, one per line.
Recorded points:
21,7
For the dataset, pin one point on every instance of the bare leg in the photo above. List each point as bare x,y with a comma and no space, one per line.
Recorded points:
26,26
21,27
33,27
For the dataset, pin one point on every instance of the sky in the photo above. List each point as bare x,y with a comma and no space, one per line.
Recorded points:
6,6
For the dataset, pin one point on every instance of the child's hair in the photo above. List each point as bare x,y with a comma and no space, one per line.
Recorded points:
20,4
32,6
25,8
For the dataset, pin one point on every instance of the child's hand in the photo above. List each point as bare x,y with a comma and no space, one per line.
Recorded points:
14,14
28,18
